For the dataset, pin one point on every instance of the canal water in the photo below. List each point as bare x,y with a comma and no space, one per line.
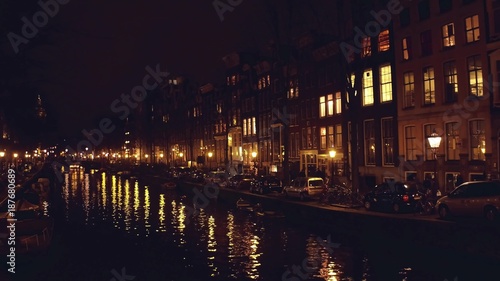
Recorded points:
109,228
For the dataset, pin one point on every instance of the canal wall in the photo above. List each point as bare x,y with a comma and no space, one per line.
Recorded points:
372,229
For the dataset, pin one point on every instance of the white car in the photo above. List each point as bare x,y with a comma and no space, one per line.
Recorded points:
305,188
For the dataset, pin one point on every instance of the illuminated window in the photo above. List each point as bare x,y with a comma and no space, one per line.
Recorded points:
338,103
406,44
385,83
475,75
383,41
244,127
338,136
429,86
388,141
409,89
293,88
322,107
367,47
477,139
331,140
452,141
369,131
450,81
330,104
410,143
323,137
254,126
367,87
448,35
472,28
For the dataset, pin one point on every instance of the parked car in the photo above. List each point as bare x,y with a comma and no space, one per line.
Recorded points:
197,176
305,188
472,199
395,196
234,181
217,177
266,184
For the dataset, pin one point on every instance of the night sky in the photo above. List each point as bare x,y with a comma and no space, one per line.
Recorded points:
99,49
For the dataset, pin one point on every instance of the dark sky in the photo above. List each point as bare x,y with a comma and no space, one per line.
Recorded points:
104,47
107,44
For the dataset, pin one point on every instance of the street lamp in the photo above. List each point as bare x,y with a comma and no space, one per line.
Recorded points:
210,154
2,155
254,156
332,155
434,141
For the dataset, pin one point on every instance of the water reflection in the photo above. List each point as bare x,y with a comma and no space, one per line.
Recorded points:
219,242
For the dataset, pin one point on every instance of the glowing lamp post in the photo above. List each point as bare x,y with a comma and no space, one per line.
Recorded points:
210,154
2,155
434,141
254,157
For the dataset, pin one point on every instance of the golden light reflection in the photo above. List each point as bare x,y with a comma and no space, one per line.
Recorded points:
66,196
321,261
161,215
86,197
126,206
114,202
103,191
212,247
177,222
137,203
243,244
147,205
119,194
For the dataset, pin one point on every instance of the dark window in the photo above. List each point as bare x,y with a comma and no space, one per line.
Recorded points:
468,1
445,5
426,43
424,9
496,19
404,17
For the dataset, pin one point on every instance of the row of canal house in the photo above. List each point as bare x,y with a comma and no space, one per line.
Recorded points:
431,69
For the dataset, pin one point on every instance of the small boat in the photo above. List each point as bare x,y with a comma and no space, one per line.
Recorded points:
270,214
169,185
124,174
32,236
242,203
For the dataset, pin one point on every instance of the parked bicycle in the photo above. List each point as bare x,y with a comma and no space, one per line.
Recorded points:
426,204
342,194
